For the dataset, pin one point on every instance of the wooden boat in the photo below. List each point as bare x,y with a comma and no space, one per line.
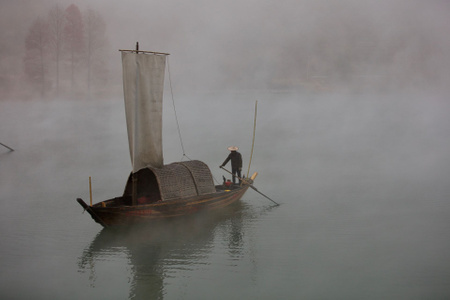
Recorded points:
155,190
177,189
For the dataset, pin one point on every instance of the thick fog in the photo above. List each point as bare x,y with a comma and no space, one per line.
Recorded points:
227,54
293,44
303,45
351,137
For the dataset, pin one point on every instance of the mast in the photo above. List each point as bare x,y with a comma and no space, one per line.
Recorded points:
143,84
134,179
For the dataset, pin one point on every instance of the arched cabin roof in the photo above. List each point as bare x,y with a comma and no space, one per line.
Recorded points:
174,181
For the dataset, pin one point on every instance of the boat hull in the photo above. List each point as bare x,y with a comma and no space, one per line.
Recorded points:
109,213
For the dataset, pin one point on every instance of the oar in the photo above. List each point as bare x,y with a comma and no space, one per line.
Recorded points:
250,185
10,149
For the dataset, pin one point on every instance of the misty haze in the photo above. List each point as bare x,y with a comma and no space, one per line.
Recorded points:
351,138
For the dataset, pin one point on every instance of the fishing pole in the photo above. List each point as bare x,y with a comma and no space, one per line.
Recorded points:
250,185
10,149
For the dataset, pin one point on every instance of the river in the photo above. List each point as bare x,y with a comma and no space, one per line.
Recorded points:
363,182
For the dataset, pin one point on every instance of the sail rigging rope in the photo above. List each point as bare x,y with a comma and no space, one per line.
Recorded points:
176,118
175,111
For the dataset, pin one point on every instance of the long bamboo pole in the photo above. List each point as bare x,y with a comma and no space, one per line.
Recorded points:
253,142
10,149
250,185
90,189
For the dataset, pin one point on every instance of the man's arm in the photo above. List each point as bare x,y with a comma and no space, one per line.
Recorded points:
226,160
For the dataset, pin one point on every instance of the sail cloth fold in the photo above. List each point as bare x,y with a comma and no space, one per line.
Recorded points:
143,85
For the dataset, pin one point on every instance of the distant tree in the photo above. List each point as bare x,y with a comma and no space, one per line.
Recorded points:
74,38
96,41
56,21
35,60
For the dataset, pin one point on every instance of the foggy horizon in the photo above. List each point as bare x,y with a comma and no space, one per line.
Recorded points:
317,46
351,138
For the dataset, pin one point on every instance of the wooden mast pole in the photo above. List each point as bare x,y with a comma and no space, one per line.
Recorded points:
134,176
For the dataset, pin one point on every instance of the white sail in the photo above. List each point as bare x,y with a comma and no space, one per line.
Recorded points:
143,84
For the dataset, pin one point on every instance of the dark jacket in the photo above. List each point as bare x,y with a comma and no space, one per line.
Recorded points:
236,160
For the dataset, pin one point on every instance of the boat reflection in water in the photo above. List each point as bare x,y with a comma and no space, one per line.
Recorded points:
156,251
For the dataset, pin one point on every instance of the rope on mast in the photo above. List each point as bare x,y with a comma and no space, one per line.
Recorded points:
175,111
176,118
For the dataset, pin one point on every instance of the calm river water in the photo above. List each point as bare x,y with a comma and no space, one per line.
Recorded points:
363,181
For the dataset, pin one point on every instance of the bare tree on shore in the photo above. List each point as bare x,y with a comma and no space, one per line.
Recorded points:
95,29
36,58
56,20
74,39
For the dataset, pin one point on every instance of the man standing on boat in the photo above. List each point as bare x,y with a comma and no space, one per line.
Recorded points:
236,163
